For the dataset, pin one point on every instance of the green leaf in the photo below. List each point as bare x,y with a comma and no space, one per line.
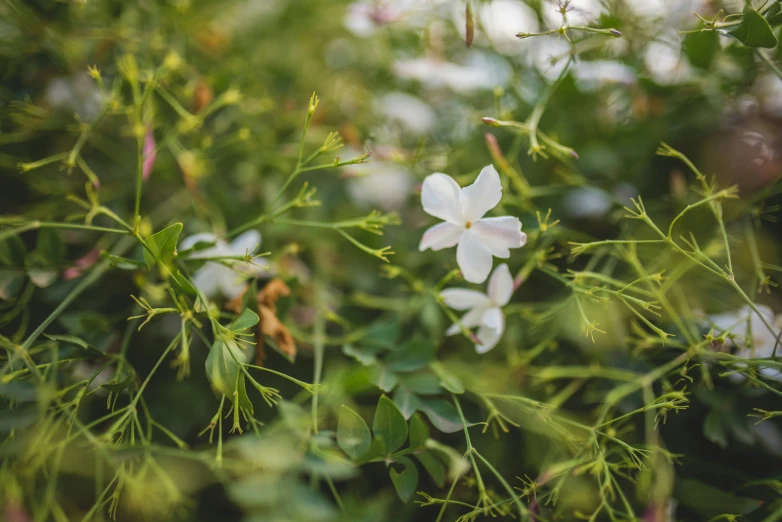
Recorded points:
352,433
364,357
710,502
69,339
224,372
384,379
753,31
442,414
117,385
774,15
411,356
49,246
701,48
40,271
18,419
163,245
433,466
382,334
11,281
405,482
85,323
423,383
246,320
419,432
448,380
123,263
407,402
12,251
389,424
714,429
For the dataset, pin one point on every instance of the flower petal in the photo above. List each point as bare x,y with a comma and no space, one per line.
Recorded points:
493,318
470,320
500,234
483,195
246,242
463,299
473,257
190,241
205,279
440,197
231,283
500,285
442,235
489,337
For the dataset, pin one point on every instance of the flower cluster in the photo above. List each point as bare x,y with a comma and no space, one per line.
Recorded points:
477,240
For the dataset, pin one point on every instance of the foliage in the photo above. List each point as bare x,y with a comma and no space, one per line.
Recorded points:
158,364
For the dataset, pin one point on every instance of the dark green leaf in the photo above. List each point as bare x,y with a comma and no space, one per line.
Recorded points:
433,466
382,334
17,419
421,383
69,339
442,414
40,271
405,482
711,502
246,320
364,357
406,401
753,31
11,281
352,433
117,384
701,48
123,263
411,356
84,323
389,424
49,246
774,14
419,431
384,379
162,246
12,251
714,429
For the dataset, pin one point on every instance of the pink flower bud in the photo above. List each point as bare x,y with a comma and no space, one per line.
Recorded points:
150,153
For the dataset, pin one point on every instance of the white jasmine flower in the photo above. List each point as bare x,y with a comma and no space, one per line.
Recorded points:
79,94
414,114
433,73
476,238
215,277
744,322
484,310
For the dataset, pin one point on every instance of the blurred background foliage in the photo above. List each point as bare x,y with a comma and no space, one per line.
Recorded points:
231,83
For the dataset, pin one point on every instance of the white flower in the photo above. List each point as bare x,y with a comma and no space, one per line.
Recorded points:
485,310
215,277
478,238
744,322
477,74
412,113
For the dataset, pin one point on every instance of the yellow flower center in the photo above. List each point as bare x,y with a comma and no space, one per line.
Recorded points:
468,224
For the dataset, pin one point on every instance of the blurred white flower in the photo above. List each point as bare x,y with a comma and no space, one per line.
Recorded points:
215,277
665,61
499,21
480,73
364,17
548,54
414,114
478,238
580,12
484,310
587,203
380,183
592,74
743,323
78,94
